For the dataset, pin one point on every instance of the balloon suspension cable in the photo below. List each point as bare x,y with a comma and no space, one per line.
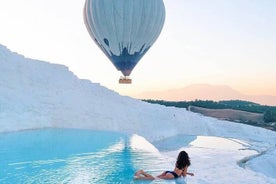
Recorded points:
125,80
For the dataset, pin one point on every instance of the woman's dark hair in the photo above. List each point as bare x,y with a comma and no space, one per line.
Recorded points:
183,160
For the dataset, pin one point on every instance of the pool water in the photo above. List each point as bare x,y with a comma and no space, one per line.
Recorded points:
71,156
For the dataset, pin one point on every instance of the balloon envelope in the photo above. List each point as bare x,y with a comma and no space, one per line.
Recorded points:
124,29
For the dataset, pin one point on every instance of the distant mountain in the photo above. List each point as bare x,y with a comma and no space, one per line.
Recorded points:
206,92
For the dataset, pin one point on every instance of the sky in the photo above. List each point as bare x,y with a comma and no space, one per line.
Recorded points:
214,42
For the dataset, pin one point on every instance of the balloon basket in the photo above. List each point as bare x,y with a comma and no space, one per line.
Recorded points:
125,80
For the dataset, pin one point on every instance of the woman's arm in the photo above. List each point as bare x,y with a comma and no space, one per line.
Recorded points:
185,172
191,174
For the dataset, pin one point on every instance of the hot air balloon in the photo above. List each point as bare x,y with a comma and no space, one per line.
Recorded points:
124,29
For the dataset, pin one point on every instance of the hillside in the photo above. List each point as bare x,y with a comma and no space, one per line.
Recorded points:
231,110
229,114
256,119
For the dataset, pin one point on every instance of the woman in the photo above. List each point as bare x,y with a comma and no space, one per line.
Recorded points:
181,169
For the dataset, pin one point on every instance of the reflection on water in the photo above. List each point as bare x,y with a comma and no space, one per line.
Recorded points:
85,156
181,140
174,142
219,143
72,156
63,156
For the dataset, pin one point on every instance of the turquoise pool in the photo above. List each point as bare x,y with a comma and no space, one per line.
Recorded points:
71,156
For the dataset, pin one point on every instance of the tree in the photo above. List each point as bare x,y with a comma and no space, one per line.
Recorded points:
270,116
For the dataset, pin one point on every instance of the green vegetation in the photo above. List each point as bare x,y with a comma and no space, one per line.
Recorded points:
268,111
270,116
